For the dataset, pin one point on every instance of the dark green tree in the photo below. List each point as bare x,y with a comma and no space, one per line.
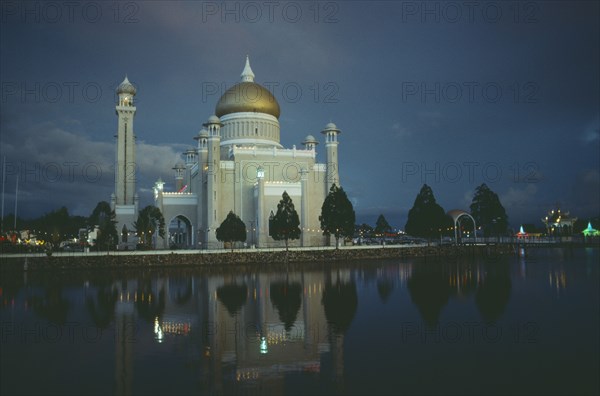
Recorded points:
337,215
150,220
232,229
382,226
488,212
285,223
103,217
426,219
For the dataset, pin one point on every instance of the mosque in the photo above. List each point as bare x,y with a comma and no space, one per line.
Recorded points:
238,165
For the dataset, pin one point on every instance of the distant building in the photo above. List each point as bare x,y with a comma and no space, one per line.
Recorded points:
590,231
559,222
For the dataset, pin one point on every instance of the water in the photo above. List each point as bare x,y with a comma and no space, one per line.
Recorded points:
508,325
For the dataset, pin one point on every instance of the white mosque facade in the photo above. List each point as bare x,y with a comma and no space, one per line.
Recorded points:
238,165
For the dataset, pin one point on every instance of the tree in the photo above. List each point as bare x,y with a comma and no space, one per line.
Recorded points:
426,219
232,229
285,223
105,219
382,226
337,215
488,212
149,221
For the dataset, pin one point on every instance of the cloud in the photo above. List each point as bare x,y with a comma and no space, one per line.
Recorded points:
400,131
591,134
585,193
516,198
467,198
59,167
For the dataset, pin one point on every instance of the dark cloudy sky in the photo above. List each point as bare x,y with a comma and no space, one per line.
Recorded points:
452,94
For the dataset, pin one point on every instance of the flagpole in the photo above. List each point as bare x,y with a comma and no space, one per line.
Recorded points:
3,185
16,201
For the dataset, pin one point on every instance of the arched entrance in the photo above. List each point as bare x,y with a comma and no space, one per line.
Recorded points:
456,215
181,235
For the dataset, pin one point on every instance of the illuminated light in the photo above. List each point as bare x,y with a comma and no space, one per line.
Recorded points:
264,349
158,331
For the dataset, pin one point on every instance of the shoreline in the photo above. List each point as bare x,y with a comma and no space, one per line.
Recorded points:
246,257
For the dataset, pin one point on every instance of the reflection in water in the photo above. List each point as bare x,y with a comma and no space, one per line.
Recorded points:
493,293
432,285
180,289
557,279
430,290
340,302
385,288
262,332
52,305
233,297
102,309
148,305
287,298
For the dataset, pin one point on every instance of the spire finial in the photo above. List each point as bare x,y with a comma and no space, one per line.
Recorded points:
247,74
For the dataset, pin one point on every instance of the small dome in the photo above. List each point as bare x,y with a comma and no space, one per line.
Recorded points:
331,127
179,165
213,119
203,134
309,139
126,87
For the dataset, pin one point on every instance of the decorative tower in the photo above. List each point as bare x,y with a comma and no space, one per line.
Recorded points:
179,169
310,143
262,229
191,159
213,125
124,201
199,184
331,142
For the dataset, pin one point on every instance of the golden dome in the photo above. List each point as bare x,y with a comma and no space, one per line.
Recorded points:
247,96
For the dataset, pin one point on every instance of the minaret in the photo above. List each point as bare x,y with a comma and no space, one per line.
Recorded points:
179,169
213,125
331,142
125,205
125,167
262,229
199,184
304,205
191,158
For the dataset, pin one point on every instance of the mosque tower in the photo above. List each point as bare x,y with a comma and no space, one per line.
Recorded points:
124,201
331,144
213,196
